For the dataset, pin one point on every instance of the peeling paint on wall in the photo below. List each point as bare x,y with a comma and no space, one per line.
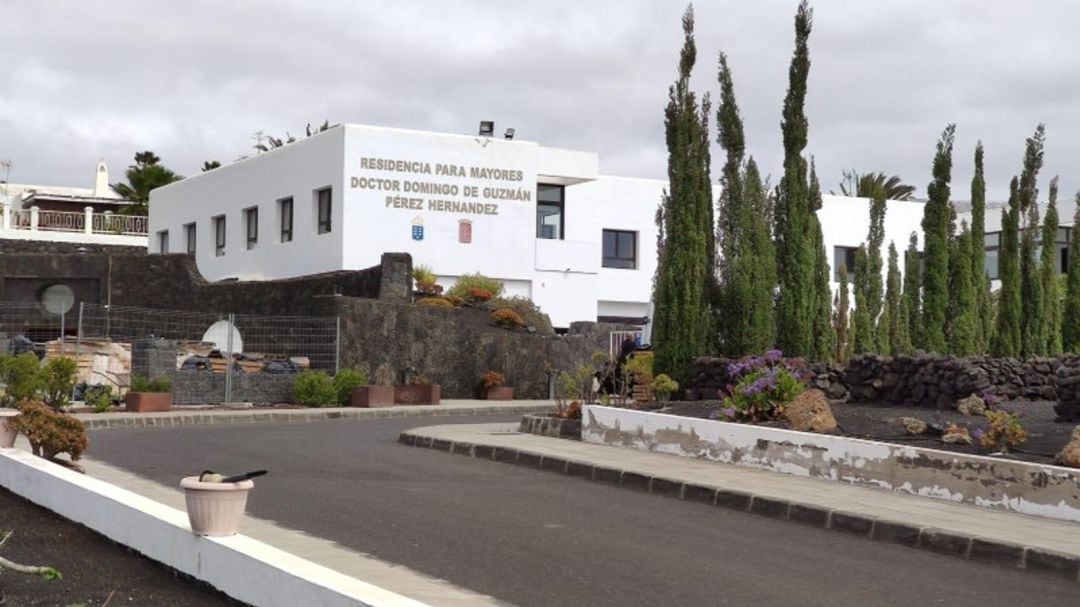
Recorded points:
1036,489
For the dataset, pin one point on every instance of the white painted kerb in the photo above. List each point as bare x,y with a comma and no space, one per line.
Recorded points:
241,567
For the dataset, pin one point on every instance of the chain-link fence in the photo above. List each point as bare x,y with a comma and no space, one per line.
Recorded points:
210,357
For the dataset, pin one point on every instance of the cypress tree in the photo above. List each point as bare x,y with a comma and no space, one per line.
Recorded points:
1006,340
1048,273
842,318
963,315
795,234
682,318
935,224
1070,322
1032,334
896,340
912,308
747,261
824,337
980,281
863,333
875,239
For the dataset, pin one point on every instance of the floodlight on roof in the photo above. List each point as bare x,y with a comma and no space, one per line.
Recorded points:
509,134
487,128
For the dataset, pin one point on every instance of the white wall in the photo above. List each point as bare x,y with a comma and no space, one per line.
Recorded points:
845,222
296,170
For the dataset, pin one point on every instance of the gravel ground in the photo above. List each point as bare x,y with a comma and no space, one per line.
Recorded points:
879,422
95,571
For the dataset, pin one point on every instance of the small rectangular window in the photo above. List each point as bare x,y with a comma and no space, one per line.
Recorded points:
324,210
844,256
1064,260
163,241
219,235
285,211
992,239
251,223
620,249
991,264
189,236
550,211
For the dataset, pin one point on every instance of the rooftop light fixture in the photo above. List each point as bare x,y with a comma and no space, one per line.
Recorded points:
487,128
509,134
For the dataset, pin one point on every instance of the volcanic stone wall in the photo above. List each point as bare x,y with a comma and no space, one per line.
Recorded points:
1068,390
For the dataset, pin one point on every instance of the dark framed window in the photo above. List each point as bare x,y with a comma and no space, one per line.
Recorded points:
219,235
992,244
325,210
620,249
163,241
251,225
285,212
844,256
189,237
550,211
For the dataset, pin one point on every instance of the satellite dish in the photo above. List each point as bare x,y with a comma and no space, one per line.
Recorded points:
218,334
58,299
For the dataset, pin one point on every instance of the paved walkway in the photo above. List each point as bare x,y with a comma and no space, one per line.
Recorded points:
982,534
197,416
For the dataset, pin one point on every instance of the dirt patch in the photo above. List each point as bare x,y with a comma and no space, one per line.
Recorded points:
93,568
879,422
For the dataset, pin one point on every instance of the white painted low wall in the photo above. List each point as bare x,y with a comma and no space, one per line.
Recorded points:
1041,490
243,568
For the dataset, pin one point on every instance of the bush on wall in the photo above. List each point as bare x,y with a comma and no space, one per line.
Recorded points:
468,282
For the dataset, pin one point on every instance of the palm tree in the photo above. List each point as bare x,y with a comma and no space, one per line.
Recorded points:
866,184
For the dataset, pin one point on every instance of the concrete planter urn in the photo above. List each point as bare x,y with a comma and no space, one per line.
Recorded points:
417,394
215,509
7,433
372,396
148,402
497,393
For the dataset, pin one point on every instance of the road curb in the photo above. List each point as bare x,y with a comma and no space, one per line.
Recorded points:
211,418
941,541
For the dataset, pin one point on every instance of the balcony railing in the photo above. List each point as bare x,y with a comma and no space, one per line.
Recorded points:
87,222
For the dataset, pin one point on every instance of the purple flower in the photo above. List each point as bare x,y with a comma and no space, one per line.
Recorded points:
773,355
728,412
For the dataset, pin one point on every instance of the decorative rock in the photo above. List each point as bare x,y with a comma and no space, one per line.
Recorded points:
1070,455
955,435
913,425
810,412
972,405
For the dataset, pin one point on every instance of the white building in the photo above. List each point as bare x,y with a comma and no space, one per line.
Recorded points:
544,221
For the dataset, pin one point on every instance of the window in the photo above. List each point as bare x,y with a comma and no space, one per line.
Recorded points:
844,256
163,241
324,210
219,235
189,236
251,223
620,249
550,204
285,207
992,241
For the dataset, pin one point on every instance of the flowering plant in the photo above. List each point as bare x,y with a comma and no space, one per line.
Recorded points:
763,386
1005,431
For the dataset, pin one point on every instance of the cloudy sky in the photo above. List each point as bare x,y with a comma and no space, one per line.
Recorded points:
83,79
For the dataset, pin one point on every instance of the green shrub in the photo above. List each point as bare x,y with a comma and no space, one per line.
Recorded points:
345,381
141,383
468,282
99,397
529,312
423,273
58,381
641,367
435,302
663,386
23,377
50,433
761,395
314,389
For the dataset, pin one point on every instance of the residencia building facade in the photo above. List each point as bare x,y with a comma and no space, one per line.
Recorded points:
542,220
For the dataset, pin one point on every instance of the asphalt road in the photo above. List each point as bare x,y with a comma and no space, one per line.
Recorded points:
535,538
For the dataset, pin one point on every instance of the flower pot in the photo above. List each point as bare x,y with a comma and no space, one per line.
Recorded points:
215,509
7,433
417,394
497,393
146,402
372,396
